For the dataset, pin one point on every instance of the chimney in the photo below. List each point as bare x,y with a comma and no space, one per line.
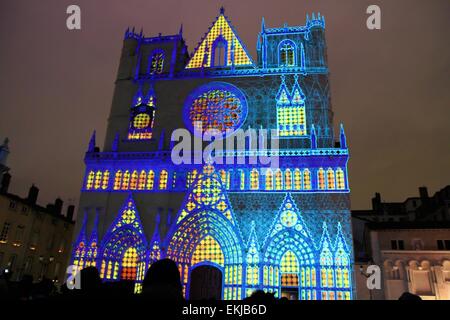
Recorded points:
70,211
376,202
58,206
33,194
6,179
423,191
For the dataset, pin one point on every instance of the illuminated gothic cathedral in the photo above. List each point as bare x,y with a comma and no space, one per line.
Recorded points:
231,229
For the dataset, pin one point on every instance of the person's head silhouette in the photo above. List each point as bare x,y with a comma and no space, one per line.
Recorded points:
162,281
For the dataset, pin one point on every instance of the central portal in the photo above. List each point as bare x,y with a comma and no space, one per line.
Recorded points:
206,283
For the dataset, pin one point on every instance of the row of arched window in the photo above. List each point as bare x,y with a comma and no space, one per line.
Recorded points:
233,179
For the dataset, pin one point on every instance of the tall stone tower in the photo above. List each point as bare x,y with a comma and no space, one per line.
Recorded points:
248,225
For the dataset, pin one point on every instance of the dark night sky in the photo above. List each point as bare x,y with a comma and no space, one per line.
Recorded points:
390,88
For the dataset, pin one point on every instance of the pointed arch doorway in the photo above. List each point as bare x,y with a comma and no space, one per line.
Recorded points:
205,283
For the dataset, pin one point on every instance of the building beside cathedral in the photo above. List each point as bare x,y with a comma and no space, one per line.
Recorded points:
231,228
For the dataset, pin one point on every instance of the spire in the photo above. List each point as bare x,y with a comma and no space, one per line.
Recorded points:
283,96
340,239
252,238
263,25
343,138
325,242
180,33
115,144
138,97
313,138
222,10
91,147
149,99
94,234
298,97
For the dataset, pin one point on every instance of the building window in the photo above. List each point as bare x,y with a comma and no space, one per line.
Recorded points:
340,181
286,54
4,233
397,245
219,57
217,106
134,180
142,116
12,204
321,179
156,63
269,180
254,179
287,180
443,244
163,180
150,179
330,179
34,240
129,264
19,235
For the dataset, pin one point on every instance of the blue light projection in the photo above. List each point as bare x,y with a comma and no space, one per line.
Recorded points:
284,230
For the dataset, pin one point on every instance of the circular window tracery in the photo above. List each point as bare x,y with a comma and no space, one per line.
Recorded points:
216,106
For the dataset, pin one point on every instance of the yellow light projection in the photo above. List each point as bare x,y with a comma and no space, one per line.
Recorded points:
129,264
208,250
289,269
220,28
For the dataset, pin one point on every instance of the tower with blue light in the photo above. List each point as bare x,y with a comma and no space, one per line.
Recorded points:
285,230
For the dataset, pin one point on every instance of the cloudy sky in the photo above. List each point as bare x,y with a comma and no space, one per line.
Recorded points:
391,88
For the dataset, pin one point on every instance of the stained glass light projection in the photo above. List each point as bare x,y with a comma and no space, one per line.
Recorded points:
282,227
142,116
235,51
216,106
287,53
291,116
156,63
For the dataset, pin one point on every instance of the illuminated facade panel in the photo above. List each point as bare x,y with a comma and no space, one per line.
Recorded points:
283,229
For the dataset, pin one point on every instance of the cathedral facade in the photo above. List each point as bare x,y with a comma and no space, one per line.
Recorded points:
231,228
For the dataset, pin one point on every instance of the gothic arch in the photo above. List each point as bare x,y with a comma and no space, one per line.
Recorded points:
199,224
113,249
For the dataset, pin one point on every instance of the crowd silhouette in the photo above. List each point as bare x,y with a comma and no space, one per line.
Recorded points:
161,282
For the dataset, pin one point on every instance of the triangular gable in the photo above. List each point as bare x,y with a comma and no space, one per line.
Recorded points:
298,97
235,50
128,216
325,247
252,246
206,192
283,97
155,243
340,243
289,217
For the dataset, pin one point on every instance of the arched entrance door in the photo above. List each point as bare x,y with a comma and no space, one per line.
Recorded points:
205,283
